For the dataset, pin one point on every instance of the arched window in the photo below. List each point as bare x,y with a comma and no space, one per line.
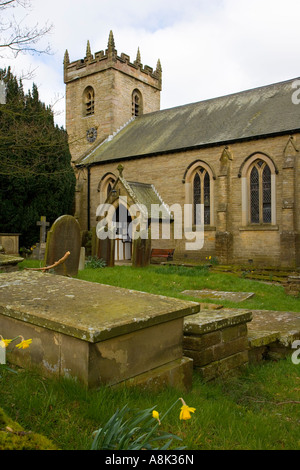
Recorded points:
137,103
109,187
258,175
201,194
105,186
260,193
88,101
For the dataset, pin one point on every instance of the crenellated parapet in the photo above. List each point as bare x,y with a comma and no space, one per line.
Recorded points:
103,60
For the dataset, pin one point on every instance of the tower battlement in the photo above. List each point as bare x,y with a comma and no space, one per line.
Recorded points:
103,60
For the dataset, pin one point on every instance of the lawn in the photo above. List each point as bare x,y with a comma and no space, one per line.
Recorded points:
172,280
257,410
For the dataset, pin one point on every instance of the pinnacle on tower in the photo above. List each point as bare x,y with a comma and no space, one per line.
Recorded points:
66,58
158,67
111,42
138,57
88,50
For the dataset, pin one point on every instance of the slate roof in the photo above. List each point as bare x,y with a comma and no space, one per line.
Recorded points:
145,194
250,114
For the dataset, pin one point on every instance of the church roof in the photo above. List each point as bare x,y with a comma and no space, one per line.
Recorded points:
145,196
256,113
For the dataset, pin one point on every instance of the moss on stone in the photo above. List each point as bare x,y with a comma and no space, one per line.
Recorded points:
14,437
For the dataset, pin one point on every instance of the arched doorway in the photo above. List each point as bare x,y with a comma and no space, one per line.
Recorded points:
123,239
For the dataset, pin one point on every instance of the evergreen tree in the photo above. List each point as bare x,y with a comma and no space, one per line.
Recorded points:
36,177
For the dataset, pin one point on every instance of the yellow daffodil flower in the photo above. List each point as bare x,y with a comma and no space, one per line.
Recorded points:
4,342
24,344
155,415
186,411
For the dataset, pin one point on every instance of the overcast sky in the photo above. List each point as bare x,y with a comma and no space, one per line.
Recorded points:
207,48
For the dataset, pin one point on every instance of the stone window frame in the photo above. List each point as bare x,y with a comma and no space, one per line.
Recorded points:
106,180
244,174
88,101
188,181
136,108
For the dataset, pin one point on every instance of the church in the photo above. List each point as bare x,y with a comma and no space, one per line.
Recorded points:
236,155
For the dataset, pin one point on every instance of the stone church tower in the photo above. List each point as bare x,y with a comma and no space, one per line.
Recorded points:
104,91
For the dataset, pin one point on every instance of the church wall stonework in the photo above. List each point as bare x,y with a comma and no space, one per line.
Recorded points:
227,239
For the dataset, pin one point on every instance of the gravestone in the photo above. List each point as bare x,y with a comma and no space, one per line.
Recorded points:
141,251
39,250
9,262
214,294
96,333
64,236
10,243
43,228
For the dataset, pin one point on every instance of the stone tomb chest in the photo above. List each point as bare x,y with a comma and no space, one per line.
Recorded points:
97,333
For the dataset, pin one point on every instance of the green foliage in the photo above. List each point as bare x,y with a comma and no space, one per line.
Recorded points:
94,262
137,432
36,177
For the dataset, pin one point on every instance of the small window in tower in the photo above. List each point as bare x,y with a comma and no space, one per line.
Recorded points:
88,101
137,103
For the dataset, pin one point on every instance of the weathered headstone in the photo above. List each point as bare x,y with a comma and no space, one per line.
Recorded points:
141,251
214,294
106,250
43,228
39,250
10,243
64,236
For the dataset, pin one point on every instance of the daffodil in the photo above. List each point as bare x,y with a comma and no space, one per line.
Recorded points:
24,343
186,411
4,342
155,415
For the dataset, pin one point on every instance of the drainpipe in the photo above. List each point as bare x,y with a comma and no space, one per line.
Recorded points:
88,197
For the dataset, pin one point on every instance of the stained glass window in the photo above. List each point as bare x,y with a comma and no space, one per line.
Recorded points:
201,195
260,193
254,195
266,188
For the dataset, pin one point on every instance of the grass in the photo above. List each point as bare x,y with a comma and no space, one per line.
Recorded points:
172,280
255,411
258,410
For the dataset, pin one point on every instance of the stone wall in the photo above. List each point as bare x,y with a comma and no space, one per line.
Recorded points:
217,341
113,79
228,238
292,286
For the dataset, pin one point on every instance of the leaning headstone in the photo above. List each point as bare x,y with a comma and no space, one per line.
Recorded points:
64,236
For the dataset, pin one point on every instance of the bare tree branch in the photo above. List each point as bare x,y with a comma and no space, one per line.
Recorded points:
17,38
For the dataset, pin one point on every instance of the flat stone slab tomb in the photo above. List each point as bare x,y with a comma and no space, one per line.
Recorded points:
222,295
97,333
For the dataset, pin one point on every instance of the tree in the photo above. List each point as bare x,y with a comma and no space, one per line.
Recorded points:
15,37
36,177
